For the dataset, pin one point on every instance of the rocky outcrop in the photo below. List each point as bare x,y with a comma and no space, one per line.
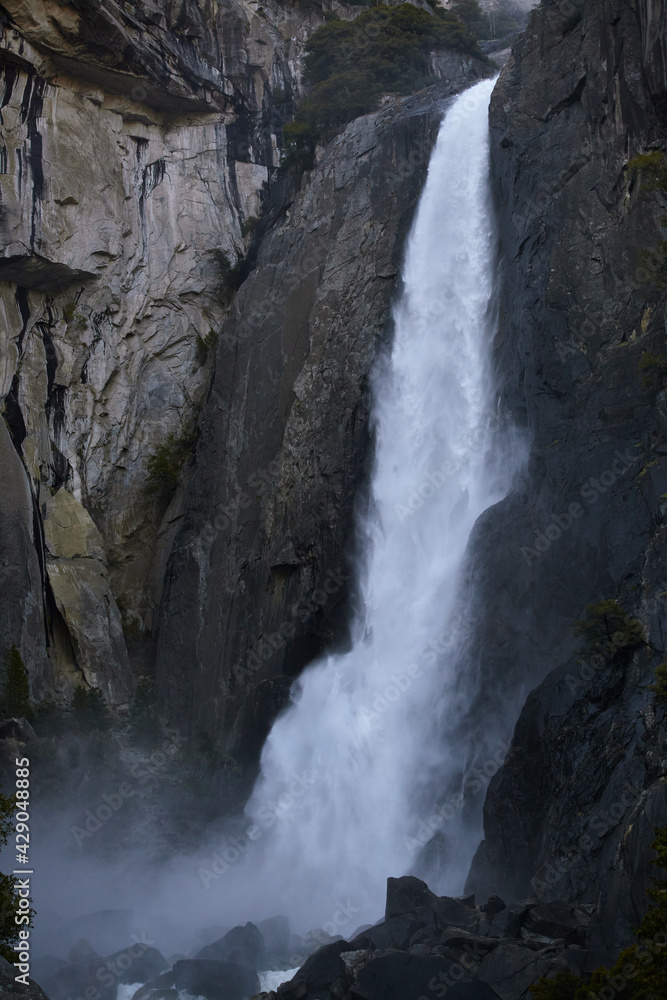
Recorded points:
583,93
259,571
437,946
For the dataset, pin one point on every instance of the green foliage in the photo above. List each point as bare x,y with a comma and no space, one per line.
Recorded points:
89,709
9,899
165,466
229,272
248,225
68,311
15,696
660,686
652,265
608,629
472,16
653,367
144,716
563,986
652,170
652,261
349,64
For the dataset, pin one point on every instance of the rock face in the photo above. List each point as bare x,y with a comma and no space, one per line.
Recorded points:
584,91
259,569
136,144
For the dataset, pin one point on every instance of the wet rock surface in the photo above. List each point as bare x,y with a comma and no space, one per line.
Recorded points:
572,811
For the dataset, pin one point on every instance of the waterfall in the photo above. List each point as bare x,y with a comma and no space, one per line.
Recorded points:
345,767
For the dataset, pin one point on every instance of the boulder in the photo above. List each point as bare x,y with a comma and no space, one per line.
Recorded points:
407,895
243,945
136,964
399,976
556,920
511,968
17,729
276,934
316,974
494,905
160,988
215,980
11,989
394,933
453,912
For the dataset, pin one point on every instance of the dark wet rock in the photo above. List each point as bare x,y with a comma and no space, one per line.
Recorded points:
397,976
407,895
136,964
555,919
316,974
510,969
397,932
571,813
453,911
242,945
494,905
276,935
160,988
17,729
10,988
215,980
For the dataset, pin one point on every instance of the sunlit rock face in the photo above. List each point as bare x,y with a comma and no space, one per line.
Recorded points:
135,145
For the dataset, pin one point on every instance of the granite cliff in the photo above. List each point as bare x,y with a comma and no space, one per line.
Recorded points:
139,147
145,314
572,812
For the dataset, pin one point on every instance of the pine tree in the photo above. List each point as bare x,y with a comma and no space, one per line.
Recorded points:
15,687
89,709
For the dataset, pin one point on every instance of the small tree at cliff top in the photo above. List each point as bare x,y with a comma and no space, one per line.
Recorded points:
15,693
608,629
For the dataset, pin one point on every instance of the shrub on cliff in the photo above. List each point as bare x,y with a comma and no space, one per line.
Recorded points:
608,629
349,64
660,686
651,169
166,464
15,691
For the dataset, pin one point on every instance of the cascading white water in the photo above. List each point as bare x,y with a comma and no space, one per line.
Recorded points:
349,754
